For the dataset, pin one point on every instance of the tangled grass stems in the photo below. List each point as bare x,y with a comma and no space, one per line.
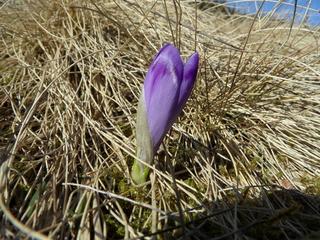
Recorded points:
246,147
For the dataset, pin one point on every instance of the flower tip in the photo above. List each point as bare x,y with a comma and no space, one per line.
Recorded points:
168,50
194,59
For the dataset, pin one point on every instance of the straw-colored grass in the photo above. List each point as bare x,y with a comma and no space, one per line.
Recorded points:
242,162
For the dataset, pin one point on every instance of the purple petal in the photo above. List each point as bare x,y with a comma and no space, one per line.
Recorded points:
189,78
161,89
163,53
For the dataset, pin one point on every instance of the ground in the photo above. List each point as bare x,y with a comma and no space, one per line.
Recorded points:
241,162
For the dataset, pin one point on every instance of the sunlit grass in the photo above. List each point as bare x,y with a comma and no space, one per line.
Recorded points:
242,161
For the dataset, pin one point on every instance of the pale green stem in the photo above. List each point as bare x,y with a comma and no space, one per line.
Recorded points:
139,171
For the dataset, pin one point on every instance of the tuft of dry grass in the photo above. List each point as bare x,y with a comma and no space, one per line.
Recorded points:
242,162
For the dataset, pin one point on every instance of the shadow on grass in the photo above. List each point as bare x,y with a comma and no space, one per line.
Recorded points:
276,214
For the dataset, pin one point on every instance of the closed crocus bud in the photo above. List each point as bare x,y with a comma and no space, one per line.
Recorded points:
166,89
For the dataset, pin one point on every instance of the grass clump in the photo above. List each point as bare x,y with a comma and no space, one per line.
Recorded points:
241,162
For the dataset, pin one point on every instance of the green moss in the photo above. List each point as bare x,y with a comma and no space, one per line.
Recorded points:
190,182
115,229
255,162
312,184
223,170
123,186
128,190
282,159
141,220
23,187
112,174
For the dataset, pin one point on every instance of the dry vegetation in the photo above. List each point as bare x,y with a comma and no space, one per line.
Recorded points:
242,162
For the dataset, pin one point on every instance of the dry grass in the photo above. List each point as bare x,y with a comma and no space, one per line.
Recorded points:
242,162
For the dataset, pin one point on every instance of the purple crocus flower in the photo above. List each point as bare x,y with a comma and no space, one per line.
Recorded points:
166,89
